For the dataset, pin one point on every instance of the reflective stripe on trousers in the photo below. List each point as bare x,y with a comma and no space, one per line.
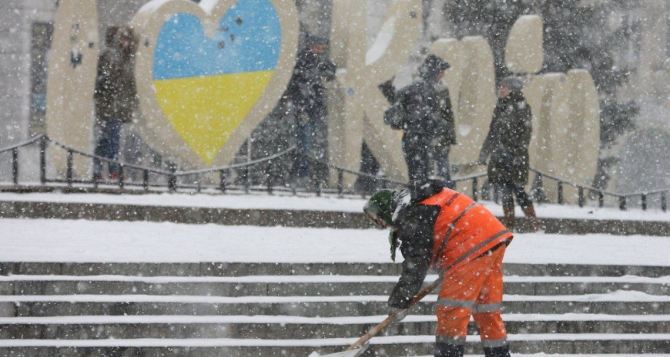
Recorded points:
476,289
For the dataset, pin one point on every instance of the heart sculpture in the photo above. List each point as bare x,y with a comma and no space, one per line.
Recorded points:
207,74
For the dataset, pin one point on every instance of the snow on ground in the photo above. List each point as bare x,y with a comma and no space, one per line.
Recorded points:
309,202
48,240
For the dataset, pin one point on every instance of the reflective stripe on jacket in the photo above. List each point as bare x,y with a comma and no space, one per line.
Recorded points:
463,229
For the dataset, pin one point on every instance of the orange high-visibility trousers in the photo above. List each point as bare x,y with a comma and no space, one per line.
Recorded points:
475,288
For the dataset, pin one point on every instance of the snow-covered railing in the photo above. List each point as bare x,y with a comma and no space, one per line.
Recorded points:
172,179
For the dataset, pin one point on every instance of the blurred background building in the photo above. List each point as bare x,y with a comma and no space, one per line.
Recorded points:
625,45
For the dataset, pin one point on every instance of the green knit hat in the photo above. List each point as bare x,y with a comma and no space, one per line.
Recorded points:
379,206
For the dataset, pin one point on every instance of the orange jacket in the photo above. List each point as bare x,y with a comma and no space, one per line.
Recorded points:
463,229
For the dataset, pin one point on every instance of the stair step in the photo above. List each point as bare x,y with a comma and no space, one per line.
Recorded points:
289,327
302,285
326,306
244,269
383,346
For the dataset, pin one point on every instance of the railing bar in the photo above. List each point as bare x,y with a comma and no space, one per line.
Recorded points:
145,180
121,179
69,163
43,160
15,166
22,144
475,185
663,202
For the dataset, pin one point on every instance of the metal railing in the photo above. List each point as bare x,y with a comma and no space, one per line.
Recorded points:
223,178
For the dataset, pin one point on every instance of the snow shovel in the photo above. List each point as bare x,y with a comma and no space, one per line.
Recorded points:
361,345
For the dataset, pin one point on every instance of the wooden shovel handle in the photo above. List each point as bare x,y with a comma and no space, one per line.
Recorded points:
392,316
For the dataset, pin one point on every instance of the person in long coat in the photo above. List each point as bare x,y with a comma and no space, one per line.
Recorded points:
115,95
307,93
424,105
506,148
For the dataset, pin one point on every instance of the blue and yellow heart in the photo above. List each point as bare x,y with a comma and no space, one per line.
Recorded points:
206,86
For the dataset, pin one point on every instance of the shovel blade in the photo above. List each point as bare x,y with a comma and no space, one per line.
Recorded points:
353,353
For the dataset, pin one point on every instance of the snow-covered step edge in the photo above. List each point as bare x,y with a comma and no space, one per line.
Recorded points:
665,280
270,319
616,296
384,340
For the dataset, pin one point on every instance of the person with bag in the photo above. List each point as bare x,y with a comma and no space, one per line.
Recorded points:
507,146
417,111
437,227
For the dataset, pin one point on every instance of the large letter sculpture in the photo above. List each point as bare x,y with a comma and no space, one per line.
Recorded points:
207,74
362,70
565,138
73,62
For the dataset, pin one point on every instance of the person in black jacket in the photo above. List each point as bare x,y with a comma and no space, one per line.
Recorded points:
507,146
424,108
307,94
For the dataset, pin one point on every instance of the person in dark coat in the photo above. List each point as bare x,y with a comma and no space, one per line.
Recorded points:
307,94
115,95
507,146
424,117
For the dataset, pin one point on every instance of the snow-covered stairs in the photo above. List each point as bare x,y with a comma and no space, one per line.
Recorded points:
212,309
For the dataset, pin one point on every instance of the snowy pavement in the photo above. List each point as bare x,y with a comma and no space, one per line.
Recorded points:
42,240
309,202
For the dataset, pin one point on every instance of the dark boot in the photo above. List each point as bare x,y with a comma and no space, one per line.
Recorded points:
448,350
508,216
502,351
529,212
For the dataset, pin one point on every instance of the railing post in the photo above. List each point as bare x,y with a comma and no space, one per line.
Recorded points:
222,181
317,187
559,189
340,182
268,181
643,198
474,188
540,195
198,186
121,174
663,202
145,179
43,160
15,166
172,178
247,182
580,196
69,163
622,202
601,199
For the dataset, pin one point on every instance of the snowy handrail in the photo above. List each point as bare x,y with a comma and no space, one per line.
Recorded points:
30,141
173,174
236,166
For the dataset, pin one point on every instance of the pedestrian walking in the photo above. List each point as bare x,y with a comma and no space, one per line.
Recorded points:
506,150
